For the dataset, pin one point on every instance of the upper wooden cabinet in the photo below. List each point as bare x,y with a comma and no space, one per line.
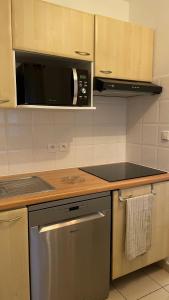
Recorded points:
123,50
7,79
47,28
160,229
14,270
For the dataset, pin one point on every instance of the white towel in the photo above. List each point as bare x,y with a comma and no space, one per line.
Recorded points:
138,225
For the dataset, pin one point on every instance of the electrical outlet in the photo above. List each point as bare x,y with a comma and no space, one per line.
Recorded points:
63,147
165,135
52,148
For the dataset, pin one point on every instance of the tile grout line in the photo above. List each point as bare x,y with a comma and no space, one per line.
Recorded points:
162,286
120,292
124,297
165,289
149,293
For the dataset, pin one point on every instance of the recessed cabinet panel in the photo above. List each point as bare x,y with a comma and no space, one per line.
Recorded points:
14,268
123,50
7,79
160,230
47,28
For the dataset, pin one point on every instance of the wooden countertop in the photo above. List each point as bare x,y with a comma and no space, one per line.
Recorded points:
71,183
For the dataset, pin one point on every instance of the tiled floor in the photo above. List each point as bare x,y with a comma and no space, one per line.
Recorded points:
151,283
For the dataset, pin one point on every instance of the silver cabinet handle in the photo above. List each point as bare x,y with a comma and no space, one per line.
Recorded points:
82,53
106,72
10,220
75,82
4,101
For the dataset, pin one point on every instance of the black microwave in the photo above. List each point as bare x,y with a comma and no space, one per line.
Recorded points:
43,84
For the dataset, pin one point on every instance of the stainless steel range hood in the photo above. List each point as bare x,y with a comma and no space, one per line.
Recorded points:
124,88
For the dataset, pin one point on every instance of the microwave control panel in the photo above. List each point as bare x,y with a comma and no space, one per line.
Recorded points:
83,87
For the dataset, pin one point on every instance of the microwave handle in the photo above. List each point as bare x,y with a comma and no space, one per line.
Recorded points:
75,83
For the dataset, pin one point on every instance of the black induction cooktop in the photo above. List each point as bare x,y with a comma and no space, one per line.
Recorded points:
121,171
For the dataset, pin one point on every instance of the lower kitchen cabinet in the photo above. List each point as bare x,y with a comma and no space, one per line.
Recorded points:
14,268
160,229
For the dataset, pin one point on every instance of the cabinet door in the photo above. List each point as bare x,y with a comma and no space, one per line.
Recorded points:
123,50
160,230
47,28
14,276
7,79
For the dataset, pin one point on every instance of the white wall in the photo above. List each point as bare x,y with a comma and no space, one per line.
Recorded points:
95,137
118,9
147,117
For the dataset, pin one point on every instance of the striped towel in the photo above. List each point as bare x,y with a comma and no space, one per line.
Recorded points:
138,225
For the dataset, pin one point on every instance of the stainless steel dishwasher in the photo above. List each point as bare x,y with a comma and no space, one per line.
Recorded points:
70,248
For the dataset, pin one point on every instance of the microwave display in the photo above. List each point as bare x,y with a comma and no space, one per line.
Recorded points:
83,76
43,84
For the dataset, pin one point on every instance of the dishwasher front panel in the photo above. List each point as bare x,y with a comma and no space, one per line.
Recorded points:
70,260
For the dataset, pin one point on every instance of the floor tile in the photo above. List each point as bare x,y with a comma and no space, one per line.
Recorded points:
115,295
158,274
167,288
158,295
136,285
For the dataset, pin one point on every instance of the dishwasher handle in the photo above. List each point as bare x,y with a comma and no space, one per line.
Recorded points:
76,221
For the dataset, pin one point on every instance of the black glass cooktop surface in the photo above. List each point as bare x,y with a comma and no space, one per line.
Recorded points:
121,171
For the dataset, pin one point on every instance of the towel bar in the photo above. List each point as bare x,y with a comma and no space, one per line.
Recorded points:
131,196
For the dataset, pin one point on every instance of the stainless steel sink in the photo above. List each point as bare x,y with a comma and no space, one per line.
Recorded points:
25,185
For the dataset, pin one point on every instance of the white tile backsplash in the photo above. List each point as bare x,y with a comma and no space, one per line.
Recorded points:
133,153
83,135
3,137
2,117
163,159
92,137
43,160
66,159
3,163
84,155
83,118
164,81
149,156
63,117
108,134
42,117
149,134
19,136
110,111
134,133
164,112
20,161
106,153
150,109
163,143
18,116
134,110
152,114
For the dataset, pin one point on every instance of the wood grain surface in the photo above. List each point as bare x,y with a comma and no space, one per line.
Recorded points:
71,183
7,66
160,229
14,272
47,28
124,49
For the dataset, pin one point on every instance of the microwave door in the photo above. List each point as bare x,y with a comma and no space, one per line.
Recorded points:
75,86
30,87
58,86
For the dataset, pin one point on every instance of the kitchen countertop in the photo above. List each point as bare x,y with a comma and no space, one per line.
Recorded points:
70,183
